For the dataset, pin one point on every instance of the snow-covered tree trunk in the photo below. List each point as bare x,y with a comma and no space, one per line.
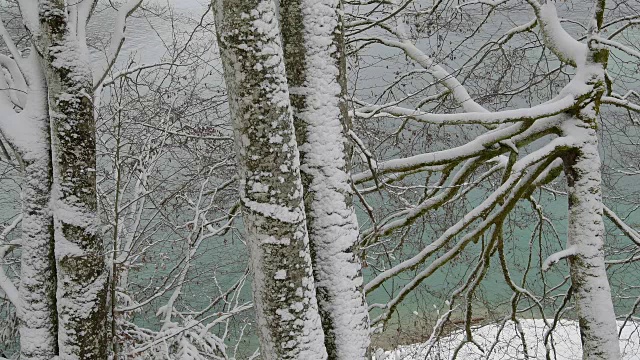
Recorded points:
270,186
27,130
316,71
28,133
81,288
585,235
591,291
39,317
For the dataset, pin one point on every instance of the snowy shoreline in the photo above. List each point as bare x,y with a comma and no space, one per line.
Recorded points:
564,343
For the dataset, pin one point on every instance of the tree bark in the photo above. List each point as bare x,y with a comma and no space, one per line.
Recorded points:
81,270
591,291
316,70
38,315
270,186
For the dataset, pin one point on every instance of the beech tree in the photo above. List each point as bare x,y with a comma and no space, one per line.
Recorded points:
48,120
271,194
81,271
149,118
527,145
315,63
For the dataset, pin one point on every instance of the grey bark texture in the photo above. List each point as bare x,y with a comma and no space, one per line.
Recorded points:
590,284
81,287
270,187
38,321
585,235
39,317
591,290
312,33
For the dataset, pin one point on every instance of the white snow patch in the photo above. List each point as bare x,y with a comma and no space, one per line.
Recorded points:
272,240
259,188
285,315
275,139
275,211
565,338
280,275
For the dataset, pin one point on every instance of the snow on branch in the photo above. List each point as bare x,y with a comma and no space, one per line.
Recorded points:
118,37
398,7
628,19
13,50
16,85
620,103
163,336
520,132
528,26
554,258
626,229
485,118
519,181
29,12
405,217
523,173
458,90
6,284
6,105
556,38
611,44
491,3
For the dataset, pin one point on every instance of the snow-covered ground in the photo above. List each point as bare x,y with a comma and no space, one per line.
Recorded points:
565,344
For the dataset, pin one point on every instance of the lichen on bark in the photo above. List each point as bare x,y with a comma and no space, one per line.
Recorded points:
316,70
81,271
270,186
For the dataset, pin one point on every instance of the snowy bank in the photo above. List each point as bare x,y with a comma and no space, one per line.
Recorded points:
564,343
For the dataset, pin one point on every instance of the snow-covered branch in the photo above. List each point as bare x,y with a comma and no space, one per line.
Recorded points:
484,144
624,103
563,45
502,200
519,178
485,118
13,50
555,257
612,44
117,39
405,217
458,90
631,233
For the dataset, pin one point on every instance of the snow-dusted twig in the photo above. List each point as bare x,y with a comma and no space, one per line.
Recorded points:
117,38
611,44
631,233
6,284
555,257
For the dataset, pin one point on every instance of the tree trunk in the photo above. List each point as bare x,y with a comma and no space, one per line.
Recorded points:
270,186
82,275
591,291
316,71
39,318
